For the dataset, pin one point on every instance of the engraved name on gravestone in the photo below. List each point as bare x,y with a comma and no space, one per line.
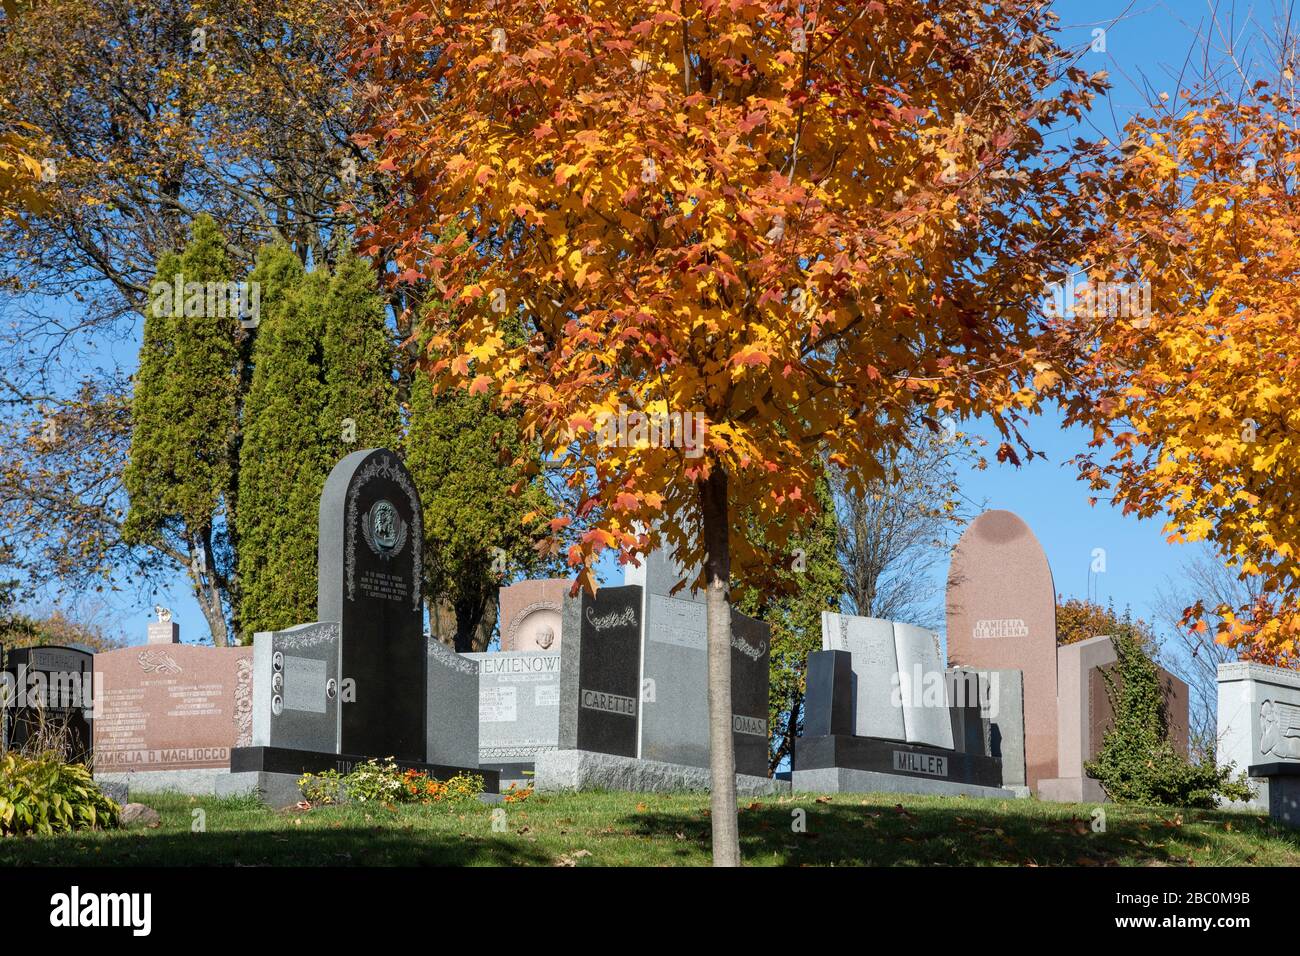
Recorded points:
370,561
599,679
296,697
172,707
518,706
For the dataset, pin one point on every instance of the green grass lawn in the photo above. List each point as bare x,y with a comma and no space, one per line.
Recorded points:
595,829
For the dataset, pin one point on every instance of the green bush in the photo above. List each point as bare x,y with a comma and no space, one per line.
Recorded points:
41,794
1136,762
376,781
321,788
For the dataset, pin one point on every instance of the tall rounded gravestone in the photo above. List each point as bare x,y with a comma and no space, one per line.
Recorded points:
370,559
1001,611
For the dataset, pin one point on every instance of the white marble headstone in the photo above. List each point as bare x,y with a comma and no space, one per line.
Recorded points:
926,717
870,642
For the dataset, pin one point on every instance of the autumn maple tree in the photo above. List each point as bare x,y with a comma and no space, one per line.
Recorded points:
1193,405
815,225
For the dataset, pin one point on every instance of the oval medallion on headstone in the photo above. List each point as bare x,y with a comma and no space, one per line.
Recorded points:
383,529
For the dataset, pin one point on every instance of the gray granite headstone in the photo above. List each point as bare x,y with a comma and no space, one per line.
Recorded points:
518,706
1000,697
828,698
675,711
923,683
296,688
674,674
370,566
451,714
873,649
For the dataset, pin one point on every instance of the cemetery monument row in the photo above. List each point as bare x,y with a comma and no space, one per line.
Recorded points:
881,713
364,681
633,710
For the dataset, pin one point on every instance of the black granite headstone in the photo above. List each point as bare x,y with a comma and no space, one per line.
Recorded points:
750,681
967,727
52,695
828,700
600,683
370,562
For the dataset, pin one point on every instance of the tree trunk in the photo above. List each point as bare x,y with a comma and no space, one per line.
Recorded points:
442,621
471,616
722,753
209,597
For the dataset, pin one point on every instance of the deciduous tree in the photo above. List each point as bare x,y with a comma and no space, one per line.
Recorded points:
1192,403
182,473
806,227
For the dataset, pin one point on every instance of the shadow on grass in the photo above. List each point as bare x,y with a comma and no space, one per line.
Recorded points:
342,846
879,834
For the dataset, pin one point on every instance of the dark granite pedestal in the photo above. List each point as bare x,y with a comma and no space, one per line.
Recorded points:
274,772
1283,790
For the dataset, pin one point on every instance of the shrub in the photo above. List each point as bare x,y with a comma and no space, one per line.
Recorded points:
320,788
41,794
462,788
376,781
1136,762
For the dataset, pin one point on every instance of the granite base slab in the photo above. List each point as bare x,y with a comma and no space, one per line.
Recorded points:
893,757
192,783
282,760
847,780
560,770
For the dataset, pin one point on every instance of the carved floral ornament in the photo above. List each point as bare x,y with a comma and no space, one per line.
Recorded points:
382,526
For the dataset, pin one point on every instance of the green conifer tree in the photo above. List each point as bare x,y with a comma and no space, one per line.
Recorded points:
181,474
360,408
282,464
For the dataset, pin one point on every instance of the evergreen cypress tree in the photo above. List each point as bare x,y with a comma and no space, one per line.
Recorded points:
282,467
358,357
181,475
461,453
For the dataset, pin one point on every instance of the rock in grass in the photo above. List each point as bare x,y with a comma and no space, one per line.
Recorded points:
138,815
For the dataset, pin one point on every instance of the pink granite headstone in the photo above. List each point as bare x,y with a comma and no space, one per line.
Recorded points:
1001,612
531,614
172,707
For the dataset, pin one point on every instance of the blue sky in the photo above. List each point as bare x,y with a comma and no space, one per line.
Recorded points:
1146,46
